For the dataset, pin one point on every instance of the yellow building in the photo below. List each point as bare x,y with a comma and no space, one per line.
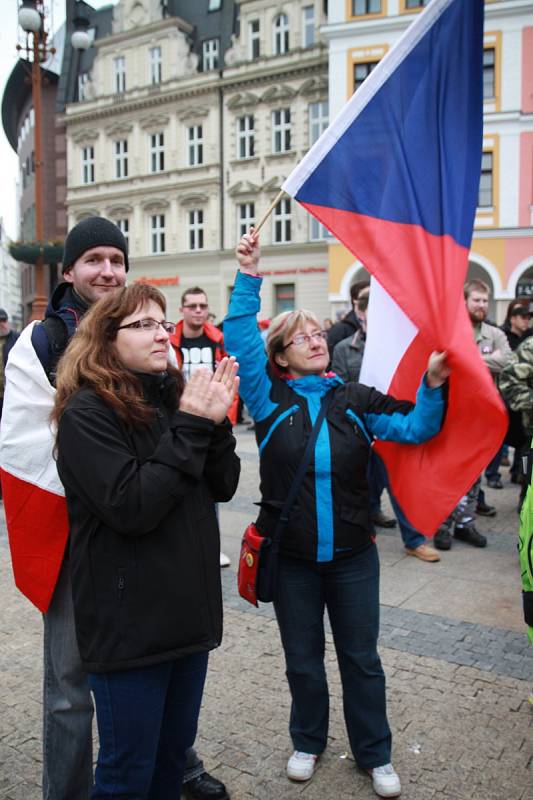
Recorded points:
359,33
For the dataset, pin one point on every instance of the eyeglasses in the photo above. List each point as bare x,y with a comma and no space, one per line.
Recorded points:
302,339
201,306
149,324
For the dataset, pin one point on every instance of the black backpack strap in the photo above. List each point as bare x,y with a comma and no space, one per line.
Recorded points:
298,478
57,334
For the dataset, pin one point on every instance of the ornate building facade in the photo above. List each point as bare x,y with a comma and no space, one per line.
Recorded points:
182,131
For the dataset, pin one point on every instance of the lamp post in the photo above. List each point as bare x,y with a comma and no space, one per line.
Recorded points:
31,17
31,20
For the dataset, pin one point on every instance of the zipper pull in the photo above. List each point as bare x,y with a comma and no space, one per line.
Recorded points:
290,420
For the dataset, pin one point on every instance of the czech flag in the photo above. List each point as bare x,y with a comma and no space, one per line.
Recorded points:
395,178
34,498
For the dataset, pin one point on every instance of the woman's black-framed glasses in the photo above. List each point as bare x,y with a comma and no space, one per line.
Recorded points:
302,339
149,324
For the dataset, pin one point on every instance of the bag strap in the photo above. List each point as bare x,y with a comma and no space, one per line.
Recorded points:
298,478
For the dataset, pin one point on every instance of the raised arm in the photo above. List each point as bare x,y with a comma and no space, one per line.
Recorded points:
241,334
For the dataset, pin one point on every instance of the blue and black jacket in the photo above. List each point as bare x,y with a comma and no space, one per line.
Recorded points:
331,517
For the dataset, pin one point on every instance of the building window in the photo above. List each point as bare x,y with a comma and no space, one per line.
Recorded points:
124,226
245,137
308,26
282,221
489,73
245,218
83,81
214,5
157,152
254,38
284,297
210,55
317,231
195,145
156,66
318,120
416,3
281,130
281,35
362,71
121,158
157,231
196,229
120,74
362,7
87,164
485,182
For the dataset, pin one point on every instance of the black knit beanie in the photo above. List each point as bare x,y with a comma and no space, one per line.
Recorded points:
89,233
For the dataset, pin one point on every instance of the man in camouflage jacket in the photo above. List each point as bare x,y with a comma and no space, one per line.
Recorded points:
516,383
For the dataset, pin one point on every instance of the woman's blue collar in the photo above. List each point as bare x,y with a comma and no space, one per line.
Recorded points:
314,384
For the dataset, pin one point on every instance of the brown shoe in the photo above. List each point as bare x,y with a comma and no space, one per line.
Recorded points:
424,552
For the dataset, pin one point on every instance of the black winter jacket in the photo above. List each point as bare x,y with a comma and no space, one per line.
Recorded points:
144,540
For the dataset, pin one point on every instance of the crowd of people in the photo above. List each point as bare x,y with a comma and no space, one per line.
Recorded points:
142,413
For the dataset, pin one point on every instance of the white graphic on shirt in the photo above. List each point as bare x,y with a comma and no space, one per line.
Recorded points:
196,357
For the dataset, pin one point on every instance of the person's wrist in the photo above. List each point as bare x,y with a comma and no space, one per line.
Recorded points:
434,381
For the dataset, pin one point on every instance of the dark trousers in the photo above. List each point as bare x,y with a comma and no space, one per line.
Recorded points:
147,719
349,589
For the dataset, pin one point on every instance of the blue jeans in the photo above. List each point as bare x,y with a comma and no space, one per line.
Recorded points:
67,704
349,589
378,480
147,720
492,472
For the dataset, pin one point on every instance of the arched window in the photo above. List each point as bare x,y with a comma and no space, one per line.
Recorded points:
281,35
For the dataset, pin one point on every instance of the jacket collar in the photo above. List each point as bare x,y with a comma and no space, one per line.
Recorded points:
209,330
314,384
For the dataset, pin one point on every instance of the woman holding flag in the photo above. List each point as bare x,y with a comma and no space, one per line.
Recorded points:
328,556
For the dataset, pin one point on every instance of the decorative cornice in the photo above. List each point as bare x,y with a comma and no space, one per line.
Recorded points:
242,100
172,23
154,204
242,188
273,185
316,85
118,128
242,81
275,94
193,199
84,135
84,213
193,112
154,121
118,210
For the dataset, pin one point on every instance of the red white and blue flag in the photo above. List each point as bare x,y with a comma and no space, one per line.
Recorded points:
395,178
34,498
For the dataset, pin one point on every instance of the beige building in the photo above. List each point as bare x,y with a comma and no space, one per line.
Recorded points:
185,149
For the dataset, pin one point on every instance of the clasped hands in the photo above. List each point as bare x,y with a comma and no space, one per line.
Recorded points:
209,394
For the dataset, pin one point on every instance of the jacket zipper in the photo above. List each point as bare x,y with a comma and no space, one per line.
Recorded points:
121,582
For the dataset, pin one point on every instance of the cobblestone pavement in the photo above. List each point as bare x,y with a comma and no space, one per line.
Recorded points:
459,673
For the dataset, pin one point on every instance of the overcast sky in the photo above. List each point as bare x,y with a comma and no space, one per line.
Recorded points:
8,57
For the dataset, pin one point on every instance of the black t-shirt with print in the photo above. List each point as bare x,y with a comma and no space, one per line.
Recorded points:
197,352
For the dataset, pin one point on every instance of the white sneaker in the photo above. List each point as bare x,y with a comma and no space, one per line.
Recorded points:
385,781
224,560
300,766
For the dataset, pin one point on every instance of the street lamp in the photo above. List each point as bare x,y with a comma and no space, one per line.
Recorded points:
31,17
31,20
